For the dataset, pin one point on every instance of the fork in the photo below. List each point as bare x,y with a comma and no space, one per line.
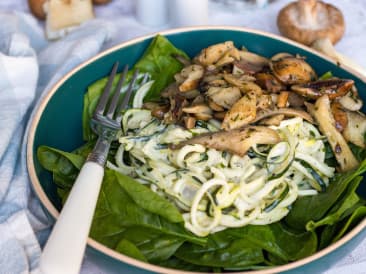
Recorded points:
64,250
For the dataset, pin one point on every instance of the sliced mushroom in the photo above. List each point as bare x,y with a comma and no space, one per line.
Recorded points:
219,115
229,57
214,106
293,70
224,96
201,111
238,80
177,103
264,101
189,122
282,100
291,112
237,141
308,20
355,130
157,110
332,87
251,87
351,100
189,77
191,94
212,80
340,116
197,109
280,56
295,100
250,63
199,99
210,55
203,116
274,120
241,113
322,113
170,90
268,82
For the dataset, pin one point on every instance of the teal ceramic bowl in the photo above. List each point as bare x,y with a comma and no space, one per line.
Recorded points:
57,122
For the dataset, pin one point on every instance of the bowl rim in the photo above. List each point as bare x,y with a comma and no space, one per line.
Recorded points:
41,105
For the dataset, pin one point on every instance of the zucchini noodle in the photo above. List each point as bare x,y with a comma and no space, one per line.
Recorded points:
216,190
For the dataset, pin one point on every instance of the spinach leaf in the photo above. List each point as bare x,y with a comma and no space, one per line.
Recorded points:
357,215
358,152
129,249
333,233
228,248
116,211
58,161
277,239
177,263
237,254
340,208
314,208
154,245
159,61
149,200
64,166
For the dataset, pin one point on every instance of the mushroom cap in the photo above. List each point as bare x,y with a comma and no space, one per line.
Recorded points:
308,20
36,7
101,2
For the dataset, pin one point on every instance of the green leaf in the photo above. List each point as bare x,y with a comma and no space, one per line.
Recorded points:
155,246
327,75
149,200
237,254
337,212
177,263
159,61
129,249
356,216
59,161
358,152
333,233
230,248
116,211
314,208
277,239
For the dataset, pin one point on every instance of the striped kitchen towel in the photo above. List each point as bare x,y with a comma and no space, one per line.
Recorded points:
29,65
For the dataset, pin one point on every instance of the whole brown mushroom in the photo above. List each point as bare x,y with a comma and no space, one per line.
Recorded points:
308,20
36,7
101,2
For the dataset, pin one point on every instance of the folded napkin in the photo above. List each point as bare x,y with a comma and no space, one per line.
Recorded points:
29,66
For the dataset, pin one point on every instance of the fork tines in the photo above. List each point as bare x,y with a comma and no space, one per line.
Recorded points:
111,113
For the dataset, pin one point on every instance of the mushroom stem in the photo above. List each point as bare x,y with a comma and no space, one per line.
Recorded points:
325,46
307,14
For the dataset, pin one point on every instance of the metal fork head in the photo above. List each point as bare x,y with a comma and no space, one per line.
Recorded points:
106,120
107,115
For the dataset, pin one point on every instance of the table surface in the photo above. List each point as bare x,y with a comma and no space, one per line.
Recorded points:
353,45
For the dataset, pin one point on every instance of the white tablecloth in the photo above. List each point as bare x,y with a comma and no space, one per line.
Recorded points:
121,14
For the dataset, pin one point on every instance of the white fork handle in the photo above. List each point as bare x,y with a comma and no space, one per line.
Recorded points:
65,247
